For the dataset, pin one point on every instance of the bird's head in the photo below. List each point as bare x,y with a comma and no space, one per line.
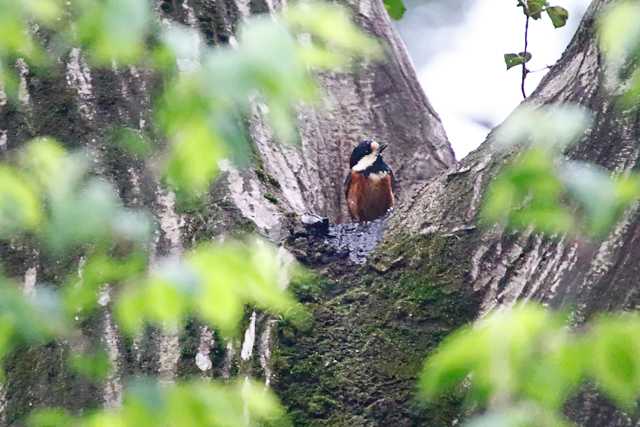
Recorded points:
365,155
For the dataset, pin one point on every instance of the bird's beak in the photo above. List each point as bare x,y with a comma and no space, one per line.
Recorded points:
382,147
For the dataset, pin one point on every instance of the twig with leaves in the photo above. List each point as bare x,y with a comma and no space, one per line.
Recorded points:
534,9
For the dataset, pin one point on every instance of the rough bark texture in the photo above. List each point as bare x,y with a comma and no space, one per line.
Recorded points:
79,106
435,268
355,362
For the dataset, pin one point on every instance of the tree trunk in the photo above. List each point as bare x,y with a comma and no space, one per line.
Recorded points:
435,269
79,106
356,361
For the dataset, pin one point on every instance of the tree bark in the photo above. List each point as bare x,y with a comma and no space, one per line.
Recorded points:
427,269
435,269
80,105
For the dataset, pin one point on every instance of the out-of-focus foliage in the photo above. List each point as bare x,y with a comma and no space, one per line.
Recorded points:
113,30
28,321
59,205
48,193
544,190
203,404
522,364
94,366
519,366
270,65
213,282
620,43
110,30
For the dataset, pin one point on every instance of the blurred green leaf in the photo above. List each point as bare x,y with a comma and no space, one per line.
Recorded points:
453,361
515,59
43,161
551,128
528,193
194,157
20,206
95,366
132,141
331,25
558,15
186,45
30,320
50,418
602,197
92,214
619,32
267,72
214,281
43,10
523,415
81,291
615,357
79,210
498,354
113,30
395,8
193,404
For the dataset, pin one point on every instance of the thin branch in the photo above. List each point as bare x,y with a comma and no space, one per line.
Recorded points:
525,71
539,70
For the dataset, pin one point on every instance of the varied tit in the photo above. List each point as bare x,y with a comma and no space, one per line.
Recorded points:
369,184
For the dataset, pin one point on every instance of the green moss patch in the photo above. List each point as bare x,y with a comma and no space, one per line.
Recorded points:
358,363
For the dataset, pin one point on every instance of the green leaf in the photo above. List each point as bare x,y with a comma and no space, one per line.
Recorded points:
528,193
603,198
558,15
619,31
519,341
50,417
20,206
194,157
44,10
615,358
515,59
550,128
113,30
535,8
332,26
94,366
42,159
454,360
214,282
92,214
196,403
81,291
395,8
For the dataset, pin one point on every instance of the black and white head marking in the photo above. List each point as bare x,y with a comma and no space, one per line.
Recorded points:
366,158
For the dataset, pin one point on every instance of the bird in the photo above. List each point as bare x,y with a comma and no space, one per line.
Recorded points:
369,183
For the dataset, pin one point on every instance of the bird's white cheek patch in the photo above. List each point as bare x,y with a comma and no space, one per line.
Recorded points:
365,162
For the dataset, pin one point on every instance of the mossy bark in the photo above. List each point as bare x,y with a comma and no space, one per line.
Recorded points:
80,106
437,268
356,362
